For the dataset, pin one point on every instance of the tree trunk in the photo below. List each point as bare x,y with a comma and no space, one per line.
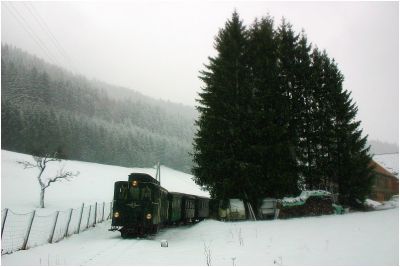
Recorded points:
42,191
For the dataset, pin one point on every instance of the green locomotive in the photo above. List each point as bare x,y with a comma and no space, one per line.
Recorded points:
141,206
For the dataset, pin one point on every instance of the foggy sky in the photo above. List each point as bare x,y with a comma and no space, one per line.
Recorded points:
158,48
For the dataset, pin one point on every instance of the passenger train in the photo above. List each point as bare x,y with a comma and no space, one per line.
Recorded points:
141,206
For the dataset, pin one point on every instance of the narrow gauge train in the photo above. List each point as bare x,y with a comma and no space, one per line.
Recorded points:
141,206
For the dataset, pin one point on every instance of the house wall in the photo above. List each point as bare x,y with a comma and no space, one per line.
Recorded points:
384,187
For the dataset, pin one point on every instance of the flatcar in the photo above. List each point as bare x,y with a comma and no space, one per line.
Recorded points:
140,205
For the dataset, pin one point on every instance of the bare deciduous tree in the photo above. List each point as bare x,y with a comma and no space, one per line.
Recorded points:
41,164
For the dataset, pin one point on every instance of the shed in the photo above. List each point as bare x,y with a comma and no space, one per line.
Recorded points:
385,184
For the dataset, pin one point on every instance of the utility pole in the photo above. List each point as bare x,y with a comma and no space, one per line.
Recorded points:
158,173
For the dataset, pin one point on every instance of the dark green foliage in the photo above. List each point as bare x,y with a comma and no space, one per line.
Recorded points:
220,144
350,158
46,110
272,149
340,153
275,119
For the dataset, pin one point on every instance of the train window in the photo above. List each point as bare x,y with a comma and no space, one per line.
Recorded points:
146,193
134,193
122,192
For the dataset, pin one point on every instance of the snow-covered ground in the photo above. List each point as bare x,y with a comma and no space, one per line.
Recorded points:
370,238
95,183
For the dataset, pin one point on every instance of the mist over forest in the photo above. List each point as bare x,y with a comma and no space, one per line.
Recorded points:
380,147
46,109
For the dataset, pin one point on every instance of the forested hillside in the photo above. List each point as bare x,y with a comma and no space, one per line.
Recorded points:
379,147
47,109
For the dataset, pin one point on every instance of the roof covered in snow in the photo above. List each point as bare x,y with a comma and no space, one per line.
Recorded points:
390,162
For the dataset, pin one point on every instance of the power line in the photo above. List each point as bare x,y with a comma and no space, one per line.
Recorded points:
25,25
42,23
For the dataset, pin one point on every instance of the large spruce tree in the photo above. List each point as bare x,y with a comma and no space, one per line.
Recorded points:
274,171
349,159
289,70
274,118
221,144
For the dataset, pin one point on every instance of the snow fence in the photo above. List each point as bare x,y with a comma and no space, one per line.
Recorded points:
21,231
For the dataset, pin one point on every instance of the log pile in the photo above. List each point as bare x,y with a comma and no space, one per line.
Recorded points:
313,206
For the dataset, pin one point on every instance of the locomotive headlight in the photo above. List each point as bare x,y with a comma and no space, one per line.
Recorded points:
134,183
116,214
148,216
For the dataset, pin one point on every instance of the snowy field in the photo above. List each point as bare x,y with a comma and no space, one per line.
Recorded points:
352,239
95,183
370,238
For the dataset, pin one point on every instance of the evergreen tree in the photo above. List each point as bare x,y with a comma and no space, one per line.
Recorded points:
220,145
323,109
272,173
304,109
300,128
350,159
290,88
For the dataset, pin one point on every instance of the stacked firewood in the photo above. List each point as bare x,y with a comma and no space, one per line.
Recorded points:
313,206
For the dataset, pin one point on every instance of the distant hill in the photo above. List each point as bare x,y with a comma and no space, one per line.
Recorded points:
46,109
379,147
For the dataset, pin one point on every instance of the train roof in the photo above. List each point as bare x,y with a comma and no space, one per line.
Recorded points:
142,177
187,195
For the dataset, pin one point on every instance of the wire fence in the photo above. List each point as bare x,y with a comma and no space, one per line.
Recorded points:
24,231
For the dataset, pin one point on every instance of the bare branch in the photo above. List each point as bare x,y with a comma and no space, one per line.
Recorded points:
41,164
61,175
27,164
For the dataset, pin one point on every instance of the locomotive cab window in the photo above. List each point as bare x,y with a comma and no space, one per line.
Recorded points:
122,192
146,193
134,193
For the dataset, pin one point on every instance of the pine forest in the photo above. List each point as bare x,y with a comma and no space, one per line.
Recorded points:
45,109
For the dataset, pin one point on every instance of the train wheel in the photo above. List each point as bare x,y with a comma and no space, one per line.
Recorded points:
155,229
124,234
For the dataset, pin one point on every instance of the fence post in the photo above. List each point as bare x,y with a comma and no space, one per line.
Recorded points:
102,216
95,214
88,217
54,228
3,222
28,231
69,220
80,217
110,210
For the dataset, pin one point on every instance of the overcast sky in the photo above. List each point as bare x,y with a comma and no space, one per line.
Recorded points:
158,48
